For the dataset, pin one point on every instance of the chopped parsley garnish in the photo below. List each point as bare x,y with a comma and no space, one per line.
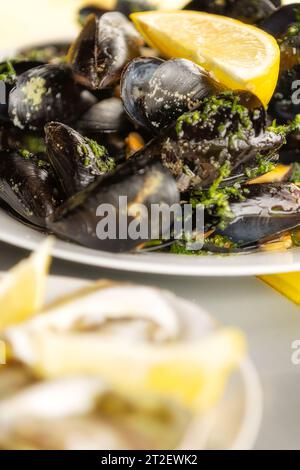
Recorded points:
263,166
103,161
216,198
25,154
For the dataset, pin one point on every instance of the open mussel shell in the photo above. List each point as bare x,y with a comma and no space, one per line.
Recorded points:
222,130
44,94
28,187
107,116
73,159
138,182
279,22
156,93
102,49
250,11
268,210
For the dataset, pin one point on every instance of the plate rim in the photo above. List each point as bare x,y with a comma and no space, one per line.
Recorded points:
139,263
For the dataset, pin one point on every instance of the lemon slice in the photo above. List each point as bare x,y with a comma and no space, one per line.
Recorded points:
238,55
22,290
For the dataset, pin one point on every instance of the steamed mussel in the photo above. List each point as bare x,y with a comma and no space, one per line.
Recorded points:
28,187
155,92
141,182
227,128
76,160
266,211
106,116
46,93
102,50
9,72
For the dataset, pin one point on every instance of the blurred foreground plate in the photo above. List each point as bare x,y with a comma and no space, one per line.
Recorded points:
235,423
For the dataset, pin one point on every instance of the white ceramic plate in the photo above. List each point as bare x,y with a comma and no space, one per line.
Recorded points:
235,423
17,234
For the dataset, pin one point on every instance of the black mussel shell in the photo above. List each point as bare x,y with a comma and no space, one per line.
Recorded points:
250,11
27,186
102,49
104,117
44,94
156,93
285,104
268,210
141,182
279,22
49,52
9,72
77,161
220,131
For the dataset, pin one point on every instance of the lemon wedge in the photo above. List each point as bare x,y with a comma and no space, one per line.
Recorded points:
22,290
238,55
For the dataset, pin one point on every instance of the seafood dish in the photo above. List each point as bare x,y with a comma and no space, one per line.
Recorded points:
111,366
124,113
